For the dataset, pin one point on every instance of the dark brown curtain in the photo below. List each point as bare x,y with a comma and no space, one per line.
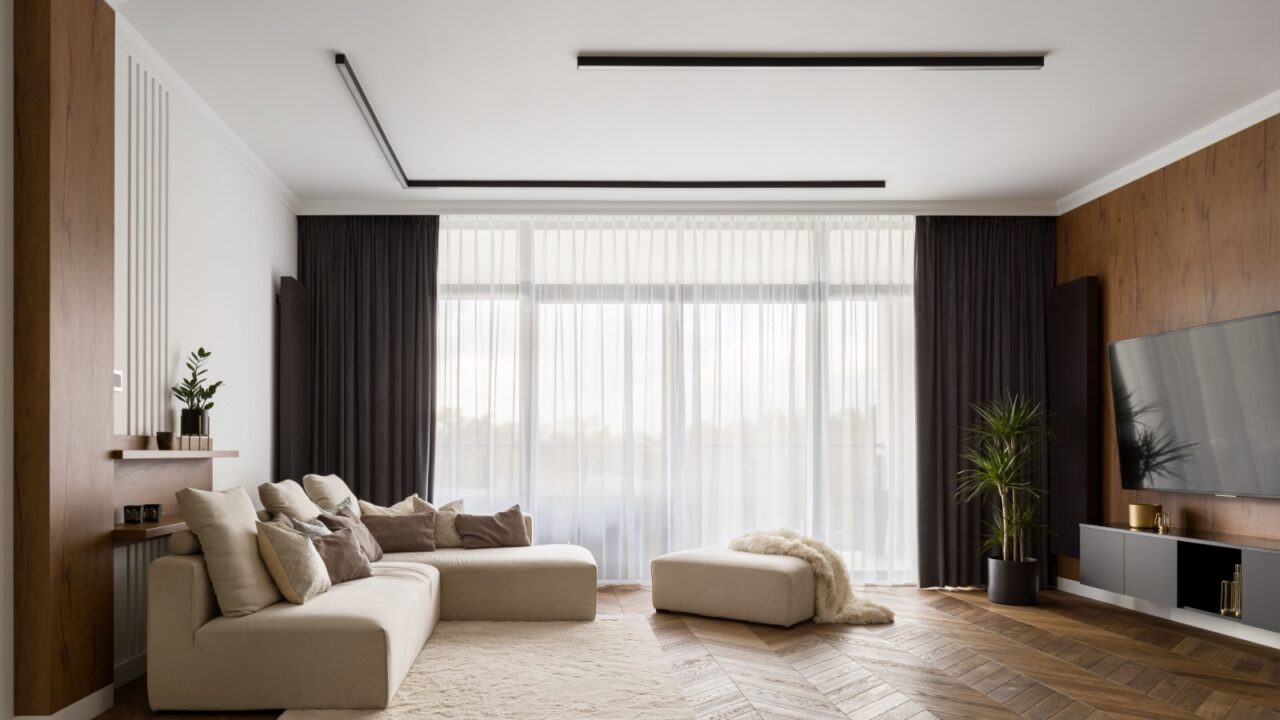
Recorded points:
980,288
372,285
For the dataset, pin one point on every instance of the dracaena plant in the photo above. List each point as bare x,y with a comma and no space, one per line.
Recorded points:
999,449
196,391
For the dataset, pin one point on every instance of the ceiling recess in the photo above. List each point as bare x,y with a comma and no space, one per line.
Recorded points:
366,109
600,61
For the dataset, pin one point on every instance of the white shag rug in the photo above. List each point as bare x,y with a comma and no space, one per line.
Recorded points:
610,669
834,601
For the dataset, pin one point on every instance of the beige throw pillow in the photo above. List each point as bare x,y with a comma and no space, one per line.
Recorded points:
408,506
328,491
226,524
446,525
503,529
289,498
294,563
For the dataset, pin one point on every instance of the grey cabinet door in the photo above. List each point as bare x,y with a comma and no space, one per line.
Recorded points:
1102,558
1151,568
1260,589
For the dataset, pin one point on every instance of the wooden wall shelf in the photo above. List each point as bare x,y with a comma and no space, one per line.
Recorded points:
172,454
124,534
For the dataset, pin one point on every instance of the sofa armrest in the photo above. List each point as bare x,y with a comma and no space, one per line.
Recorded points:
179,600
528,526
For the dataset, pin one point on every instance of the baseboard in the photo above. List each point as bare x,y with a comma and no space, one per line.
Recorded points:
1204,621
129,670
86,708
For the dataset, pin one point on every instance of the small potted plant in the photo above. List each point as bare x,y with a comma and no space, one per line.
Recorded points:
197,394
998,451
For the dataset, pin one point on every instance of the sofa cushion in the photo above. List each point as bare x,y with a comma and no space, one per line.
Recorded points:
289,498
329,491
226,524
293,562
446,525
403,533
347,648
536,582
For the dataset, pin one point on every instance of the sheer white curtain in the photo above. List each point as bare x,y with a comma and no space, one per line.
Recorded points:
649,383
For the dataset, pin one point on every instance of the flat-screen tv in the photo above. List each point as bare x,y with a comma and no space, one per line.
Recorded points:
1198,410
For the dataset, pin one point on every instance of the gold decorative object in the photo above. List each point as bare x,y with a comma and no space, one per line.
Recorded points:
1229,595
1142,516
1164,522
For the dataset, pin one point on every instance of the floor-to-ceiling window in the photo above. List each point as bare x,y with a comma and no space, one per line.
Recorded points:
648,383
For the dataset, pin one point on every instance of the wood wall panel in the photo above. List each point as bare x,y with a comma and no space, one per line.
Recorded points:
63,257
1192,243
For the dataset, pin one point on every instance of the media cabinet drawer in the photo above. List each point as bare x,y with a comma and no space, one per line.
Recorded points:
1260,589
1102,558
1151,568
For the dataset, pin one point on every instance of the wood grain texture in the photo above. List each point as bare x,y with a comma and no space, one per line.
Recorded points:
1195,242
949,655
64,76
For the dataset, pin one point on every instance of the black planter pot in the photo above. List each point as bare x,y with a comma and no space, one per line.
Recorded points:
1013,583
195,422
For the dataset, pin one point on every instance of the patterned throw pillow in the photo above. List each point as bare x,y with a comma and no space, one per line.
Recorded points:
294,563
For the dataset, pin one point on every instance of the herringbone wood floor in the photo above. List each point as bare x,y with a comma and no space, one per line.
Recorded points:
948,655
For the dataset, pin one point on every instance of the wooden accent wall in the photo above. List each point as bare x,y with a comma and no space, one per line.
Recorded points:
1192,243
64,73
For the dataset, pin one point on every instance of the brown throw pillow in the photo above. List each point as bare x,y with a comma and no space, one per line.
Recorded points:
403,533
504,529
347,520
342,556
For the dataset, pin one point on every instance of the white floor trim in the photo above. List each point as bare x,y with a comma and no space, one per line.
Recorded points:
1204,621
86,708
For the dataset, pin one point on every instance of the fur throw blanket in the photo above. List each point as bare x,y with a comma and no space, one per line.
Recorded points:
835,602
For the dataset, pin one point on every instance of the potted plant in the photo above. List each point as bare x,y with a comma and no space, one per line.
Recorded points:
998,451
197,393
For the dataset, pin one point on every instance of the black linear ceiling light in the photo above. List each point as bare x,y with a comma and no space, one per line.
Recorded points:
602,61
366,109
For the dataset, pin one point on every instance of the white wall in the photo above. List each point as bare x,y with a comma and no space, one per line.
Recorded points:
6,360
230,241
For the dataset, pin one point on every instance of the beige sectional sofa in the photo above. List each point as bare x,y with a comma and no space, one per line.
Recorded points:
349,647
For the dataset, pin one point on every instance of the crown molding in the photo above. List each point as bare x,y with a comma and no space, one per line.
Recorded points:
128,37
633,207
1247,116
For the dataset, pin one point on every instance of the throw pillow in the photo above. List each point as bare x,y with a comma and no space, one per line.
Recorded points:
504,529
346,520
404,533
328,491
408,506
289,498
343,559
294,563
226,524
312,529
446,525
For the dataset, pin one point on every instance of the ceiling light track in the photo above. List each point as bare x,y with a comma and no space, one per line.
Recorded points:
600,61
380,136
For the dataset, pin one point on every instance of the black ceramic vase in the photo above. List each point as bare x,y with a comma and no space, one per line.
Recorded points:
1011,582
195,421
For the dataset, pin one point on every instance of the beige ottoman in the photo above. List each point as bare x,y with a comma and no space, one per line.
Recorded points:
724,583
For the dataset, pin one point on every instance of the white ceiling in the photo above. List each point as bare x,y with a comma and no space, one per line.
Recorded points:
489,89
